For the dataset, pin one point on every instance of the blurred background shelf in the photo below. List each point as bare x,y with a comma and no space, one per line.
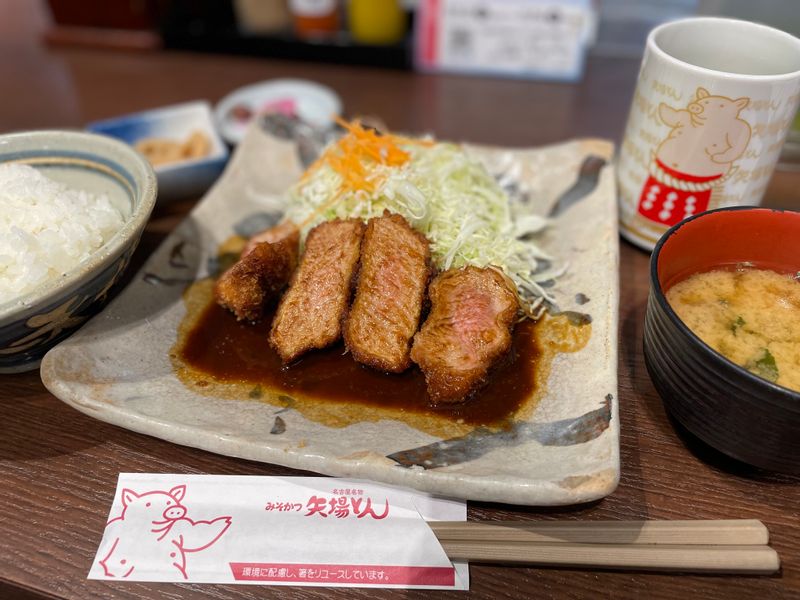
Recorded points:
105,38
265,28
343,51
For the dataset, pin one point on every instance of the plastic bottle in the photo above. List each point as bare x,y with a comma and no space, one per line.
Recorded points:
376,22
315,19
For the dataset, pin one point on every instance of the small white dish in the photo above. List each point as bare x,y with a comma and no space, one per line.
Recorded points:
184,178
311,102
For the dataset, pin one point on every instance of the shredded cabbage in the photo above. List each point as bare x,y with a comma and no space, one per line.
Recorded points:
448,196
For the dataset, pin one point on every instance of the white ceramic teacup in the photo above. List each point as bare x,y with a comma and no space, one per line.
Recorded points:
713,104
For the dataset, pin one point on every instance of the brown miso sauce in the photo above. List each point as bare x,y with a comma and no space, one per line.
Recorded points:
228,350
220,356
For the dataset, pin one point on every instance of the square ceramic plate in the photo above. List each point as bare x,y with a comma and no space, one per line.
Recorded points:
565,450
184,178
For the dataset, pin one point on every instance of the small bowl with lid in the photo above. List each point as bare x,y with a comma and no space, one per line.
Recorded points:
740,409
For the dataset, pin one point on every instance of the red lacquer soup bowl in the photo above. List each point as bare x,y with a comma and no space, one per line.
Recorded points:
729,408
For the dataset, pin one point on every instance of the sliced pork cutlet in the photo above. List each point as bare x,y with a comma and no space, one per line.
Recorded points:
467,330
285,230
258,277
311,311
392,277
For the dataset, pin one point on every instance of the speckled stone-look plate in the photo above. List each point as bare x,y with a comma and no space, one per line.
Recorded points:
118,369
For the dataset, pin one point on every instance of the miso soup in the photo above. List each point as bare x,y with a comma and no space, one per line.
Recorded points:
751,316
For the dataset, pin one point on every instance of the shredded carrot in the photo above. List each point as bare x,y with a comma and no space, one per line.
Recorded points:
357,150
352,157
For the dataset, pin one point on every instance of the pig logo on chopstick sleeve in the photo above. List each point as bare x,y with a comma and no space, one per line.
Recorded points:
697,155
153,533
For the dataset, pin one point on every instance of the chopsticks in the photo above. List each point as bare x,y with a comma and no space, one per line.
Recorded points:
725,546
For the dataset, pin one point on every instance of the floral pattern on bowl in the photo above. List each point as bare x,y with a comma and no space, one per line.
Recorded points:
33,323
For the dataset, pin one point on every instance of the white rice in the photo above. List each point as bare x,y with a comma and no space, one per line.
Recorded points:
47,228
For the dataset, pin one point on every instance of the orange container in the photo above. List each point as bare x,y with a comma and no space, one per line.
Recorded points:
315,19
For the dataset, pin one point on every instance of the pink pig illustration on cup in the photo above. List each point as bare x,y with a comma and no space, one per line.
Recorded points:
704,141
153,533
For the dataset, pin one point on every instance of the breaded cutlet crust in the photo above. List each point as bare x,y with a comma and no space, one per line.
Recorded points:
257,278
392,278
467,330
311,311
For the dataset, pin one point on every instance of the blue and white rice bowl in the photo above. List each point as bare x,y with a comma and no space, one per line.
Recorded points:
36,320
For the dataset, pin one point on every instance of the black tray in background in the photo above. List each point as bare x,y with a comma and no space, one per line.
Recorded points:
286,47
210,26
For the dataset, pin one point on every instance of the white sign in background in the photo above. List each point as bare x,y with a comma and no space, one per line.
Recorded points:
523,38
310,531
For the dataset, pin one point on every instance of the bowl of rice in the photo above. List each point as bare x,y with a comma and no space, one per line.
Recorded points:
73,206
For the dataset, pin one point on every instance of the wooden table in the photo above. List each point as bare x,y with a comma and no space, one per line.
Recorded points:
58,467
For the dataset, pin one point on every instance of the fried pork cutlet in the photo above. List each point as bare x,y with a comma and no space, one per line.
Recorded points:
286,230
257,277
311,311
392,277
467,330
